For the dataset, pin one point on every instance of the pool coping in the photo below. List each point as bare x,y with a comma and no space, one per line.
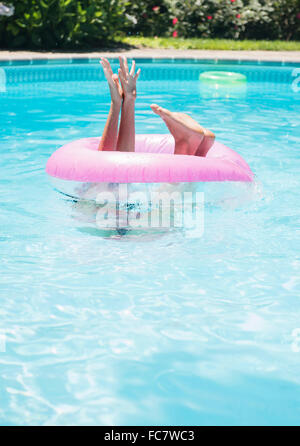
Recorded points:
148,53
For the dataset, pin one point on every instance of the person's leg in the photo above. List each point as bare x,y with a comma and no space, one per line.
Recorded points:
126,138
110,133
190,138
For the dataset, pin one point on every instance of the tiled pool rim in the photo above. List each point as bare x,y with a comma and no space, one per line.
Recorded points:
87,69
170,60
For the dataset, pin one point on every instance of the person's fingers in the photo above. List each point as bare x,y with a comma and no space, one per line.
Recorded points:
117,83
132,68
122,66
108,73
126,65
115,79
137,74
103,61
108,76
122,79
107,64
104,71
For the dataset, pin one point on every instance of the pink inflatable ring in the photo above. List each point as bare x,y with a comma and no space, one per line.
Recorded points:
152,162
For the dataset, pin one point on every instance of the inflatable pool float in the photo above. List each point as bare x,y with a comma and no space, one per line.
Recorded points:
223,77
222,84
78,167
152,162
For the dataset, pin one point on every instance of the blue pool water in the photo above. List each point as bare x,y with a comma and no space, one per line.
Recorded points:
149,330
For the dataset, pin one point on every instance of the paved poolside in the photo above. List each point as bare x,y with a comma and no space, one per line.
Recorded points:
276,56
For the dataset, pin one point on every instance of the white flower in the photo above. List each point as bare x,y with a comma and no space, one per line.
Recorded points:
6,10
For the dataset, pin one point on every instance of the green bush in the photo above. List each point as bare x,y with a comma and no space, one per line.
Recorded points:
147,18
226,18
50,24
234,19
285,22
61,23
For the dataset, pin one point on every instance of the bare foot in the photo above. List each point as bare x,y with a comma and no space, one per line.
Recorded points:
189,136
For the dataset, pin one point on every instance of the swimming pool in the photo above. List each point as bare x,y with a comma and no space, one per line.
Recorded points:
162,330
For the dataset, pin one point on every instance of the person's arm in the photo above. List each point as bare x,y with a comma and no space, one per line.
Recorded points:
126,138
110,133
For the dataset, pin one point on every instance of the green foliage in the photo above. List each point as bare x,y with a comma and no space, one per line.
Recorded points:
237,19
286,20
50,24
233,19
61,23
147,18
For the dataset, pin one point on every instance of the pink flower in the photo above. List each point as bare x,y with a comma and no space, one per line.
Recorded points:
174,34
175,20
209,17
232,1
238,16
155,8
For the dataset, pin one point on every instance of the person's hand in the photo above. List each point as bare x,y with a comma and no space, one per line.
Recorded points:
128,78
115,88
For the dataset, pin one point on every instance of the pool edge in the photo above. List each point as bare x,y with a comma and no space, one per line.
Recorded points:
256,57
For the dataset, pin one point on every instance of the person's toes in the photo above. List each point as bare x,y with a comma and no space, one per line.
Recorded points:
155,108
160,110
